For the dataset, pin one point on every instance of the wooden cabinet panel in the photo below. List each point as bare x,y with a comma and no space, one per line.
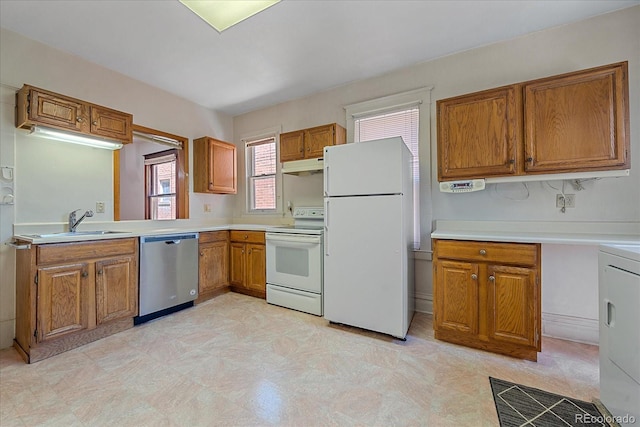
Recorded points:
489,301
62,300
309,143
256,268
512,301
577,121
477,134
116,289
573,122
292,146
457,296
520,254
215,166
237,265
63,252
111,124
214,266
316,139
51,109
35,106
247,236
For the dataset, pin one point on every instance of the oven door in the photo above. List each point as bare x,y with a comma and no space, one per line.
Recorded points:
295,261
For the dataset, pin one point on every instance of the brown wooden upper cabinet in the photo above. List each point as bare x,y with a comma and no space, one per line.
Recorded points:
573,122
36,106
215,166
309,143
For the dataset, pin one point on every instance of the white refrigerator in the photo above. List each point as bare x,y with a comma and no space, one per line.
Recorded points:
368,240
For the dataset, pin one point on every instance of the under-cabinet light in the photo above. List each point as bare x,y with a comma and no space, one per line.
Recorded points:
60,135
159,139
222,14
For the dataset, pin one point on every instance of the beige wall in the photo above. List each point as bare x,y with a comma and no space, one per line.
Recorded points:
601,40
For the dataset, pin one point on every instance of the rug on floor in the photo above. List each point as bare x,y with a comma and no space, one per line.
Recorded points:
518,405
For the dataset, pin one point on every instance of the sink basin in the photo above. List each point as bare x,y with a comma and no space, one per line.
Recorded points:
76,233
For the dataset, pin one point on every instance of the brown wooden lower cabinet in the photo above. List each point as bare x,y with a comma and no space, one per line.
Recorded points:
69,294
487,296
248,263
213,265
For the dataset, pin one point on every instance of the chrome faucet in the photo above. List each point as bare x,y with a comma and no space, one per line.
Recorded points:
73,224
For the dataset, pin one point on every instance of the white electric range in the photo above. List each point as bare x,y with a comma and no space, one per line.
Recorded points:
295,262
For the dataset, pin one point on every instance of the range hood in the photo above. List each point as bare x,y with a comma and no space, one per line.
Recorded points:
303,167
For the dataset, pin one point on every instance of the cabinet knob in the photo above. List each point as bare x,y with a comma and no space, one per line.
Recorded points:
242,251
529,159
79,119
246,237
512,162
95,123
201,253
85,274
483,252
249,252
474,276
99,271
492,278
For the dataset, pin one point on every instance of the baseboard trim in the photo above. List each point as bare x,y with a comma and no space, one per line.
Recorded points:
424,302
571,328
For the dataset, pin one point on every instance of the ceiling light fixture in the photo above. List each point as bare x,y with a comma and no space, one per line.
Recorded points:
60,135
222,14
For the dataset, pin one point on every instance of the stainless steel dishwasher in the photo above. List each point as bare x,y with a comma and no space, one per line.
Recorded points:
168,274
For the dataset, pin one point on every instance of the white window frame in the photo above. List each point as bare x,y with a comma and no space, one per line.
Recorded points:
247,140
422,98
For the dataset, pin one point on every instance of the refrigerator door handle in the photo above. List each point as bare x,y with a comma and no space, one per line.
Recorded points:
326,227
326,179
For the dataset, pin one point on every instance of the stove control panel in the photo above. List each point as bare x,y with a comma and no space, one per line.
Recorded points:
308,213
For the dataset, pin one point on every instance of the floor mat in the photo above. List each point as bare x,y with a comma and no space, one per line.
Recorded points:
518,405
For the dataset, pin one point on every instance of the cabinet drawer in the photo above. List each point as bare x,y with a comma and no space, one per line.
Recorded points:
63,252
504,253
213,236
247,236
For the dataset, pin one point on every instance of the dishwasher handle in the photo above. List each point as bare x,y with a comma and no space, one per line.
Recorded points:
169,239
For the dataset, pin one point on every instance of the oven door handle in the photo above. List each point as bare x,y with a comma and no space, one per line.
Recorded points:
292,239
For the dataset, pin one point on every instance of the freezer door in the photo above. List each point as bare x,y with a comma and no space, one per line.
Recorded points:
372,167
365,264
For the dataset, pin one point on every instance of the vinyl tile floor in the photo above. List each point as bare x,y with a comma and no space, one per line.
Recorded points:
238,361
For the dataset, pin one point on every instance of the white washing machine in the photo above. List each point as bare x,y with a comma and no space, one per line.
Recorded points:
619,289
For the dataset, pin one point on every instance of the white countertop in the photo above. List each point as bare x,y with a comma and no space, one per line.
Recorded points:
33,233
573,233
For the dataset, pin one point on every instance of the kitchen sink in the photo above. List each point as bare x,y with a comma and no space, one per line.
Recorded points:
76,233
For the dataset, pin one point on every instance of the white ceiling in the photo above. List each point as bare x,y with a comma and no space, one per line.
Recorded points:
293,49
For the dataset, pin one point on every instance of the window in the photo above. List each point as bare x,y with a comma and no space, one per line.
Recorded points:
399,115
261,174
161,178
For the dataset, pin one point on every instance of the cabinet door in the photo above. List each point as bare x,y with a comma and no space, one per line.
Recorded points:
50,109
214,266
223,167
478,134
578,121
237,264
316,139
63,300
292,146
512,305
256,268
456,296
111,124
116,289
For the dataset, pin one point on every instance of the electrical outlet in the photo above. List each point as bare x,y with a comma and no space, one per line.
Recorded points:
569,200
99,207
207,207
565,201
